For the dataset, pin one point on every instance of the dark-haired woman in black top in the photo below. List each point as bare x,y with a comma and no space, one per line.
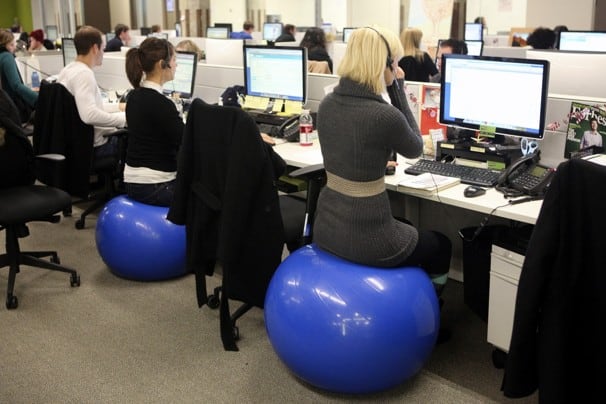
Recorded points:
315,42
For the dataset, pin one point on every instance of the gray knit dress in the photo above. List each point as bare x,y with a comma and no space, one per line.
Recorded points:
357,130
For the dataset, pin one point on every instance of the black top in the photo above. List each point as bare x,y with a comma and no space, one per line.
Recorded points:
114,45
286,37
319,54
418,71
155,130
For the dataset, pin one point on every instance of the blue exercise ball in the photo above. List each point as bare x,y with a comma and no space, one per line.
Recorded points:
350,328
137,242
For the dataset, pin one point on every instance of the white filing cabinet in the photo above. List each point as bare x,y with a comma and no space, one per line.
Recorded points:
505,269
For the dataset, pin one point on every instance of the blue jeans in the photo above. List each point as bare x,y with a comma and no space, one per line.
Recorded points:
160,194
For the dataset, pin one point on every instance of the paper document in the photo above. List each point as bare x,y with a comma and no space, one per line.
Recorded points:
427,184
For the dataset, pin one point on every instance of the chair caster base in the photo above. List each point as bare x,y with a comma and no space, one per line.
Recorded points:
12,302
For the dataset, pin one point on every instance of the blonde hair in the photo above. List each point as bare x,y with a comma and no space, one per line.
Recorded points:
6,37
411,42
365,58
189,46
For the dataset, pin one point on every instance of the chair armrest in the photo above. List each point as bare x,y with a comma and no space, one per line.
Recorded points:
308,171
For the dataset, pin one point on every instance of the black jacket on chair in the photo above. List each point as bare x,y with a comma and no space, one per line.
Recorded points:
227,197
50,137
557,343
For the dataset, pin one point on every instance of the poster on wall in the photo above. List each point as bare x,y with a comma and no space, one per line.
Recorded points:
433,17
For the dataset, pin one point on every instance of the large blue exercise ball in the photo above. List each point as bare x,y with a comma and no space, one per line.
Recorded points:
350,328
137,242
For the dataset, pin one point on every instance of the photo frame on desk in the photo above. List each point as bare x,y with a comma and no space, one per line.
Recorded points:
586,129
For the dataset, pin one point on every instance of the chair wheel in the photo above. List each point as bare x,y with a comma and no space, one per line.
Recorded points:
79,224
498,358
12,302
74,280
213,302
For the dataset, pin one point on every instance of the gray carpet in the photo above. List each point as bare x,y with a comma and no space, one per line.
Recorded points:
114,340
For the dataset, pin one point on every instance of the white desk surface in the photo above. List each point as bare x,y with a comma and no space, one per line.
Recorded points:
527,212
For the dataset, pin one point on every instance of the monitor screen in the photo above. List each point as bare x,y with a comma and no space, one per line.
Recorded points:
271,31
51,32
473,31
474,48
145,31
494,95
227,25
588,41
109,36
276,72
68,49
217,32
185,75
346,33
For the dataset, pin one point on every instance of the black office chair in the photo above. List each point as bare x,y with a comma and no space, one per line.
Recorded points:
22,202
226,195
59,129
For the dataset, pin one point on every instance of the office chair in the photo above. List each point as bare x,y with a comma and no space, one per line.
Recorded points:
59,129
560,303
227,197
22,202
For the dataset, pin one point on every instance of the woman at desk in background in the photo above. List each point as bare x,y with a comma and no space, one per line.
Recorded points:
10,79
358,130
154,125
315,42
417,64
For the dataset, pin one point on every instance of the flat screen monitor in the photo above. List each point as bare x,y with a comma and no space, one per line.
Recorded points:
217,32
474,48
346,33
68,50
185,75
586,41
51,32
473,31
109,36
227,25
276,72
494,95
271,31
145,31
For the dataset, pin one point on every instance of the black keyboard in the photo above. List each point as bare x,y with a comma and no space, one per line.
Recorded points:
482,177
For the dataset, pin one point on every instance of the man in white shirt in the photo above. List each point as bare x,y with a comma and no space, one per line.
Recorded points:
591,137
79,79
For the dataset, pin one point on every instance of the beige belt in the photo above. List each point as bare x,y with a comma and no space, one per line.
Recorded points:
355,188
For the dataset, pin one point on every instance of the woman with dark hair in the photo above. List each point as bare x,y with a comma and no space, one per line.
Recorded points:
541,38
154,125
315,42
10,79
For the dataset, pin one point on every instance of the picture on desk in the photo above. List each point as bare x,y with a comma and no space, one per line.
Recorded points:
586,128
431,129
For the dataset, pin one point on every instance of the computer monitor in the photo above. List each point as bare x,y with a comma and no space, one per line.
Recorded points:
346,33
227,25
473,31
185,75
271,31
494,95
276,72
51,32
109,36
586,41
68,50
474,48
145,31
217,32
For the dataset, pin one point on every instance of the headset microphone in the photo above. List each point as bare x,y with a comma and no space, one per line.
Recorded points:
389,60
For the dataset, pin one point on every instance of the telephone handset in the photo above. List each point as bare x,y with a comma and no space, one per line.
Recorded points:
289,130
526,176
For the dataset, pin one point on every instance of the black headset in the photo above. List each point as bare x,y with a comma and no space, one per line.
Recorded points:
166,61
389,60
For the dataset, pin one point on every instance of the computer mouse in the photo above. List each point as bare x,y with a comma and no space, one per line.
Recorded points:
472,191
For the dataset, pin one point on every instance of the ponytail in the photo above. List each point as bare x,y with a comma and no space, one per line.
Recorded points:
134,70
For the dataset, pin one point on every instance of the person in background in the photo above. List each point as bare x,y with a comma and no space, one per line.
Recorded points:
358,130
153,139
448,46
247,29
79,79
541,38
557,30
482,20
315,42
156,31
188,45
36,40
121,38
288,34
22,44
24,97
417,64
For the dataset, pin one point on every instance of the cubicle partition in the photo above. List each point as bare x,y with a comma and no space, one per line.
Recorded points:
505,51
47,63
